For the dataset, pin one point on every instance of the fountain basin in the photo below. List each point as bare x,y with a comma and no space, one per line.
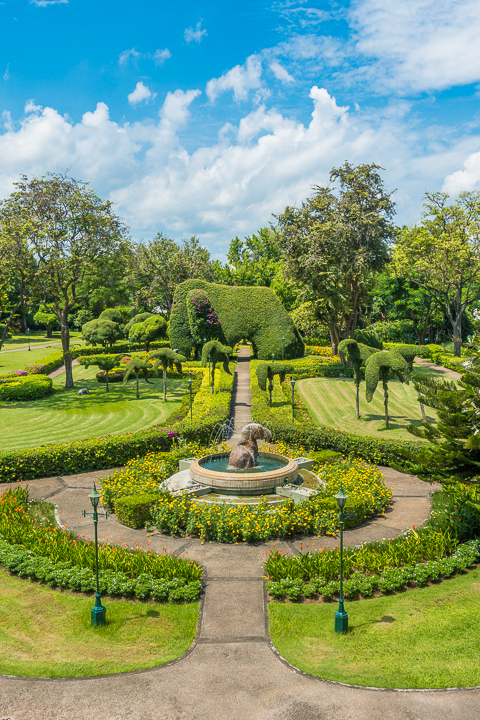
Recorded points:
241,482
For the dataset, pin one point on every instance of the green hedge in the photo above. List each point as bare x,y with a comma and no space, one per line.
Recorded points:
47,364
116,349
135,511
24,387
253,313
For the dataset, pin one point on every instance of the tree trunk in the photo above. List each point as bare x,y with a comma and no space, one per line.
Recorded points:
164,384
67,357
457,335
385,392
8,322
106,380
357,401
422,408
138,392
49,332
270,388
213,379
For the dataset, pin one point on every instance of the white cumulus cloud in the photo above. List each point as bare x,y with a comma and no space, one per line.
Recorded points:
159,56
194,35
128,55
141,92
241,79
466,179
280,72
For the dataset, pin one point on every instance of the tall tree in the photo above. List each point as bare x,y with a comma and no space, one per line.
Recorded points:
157,267
72,236
335,243
442,255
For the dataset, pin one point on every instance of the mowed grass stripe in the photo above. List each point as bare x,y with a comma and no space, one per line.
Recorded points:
331,401
65,416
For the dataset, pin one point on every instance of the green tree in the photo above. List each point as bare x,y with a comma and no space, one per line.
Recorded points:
358,354
158,266
442,255
102,332
214,352
335,244
104,362
380,366
167,359
153,328
72,236
137,367
48,319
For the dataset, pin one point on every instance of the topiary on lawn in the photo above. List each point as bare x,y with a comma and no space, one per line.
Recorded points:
267,371
137,367
104,362
214,352
101,332
252,313
24,387
167,359
153,328
378,367
358,354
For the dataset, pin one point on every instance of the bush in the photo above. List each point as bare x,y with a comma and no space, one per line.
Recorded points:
253,313
117,349
135,511
208,409
25,387
46,365
113,377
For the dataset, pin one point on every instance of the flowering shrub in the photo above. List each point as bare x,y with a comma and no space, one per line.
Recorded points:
322,350
24,387
204,321
51,555
20,372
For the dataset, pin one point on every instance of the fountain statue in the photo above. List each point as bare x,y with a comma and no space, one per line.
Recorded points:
244,455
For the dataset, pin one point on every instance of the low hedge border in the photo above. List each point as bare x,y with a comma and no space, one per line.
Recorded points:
135,510
26,563
390,580
24,387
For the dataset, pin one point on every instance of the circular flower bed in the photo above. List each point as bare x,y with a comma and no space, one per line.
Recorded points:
242,522
24,387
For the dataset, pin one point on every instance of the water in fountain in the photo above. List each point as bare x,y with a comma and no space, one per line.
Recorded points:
220,432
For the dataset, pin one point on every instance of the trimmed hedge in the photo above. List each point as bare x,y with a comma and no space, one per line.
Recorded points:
134,511
26,387
253,313
116,349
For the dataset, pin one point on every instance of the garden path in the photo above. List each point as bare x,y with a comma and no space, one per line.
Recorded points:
438,368
232,670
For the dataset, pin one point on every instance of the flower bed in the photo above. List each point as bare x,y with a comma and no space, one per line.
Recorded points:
50,555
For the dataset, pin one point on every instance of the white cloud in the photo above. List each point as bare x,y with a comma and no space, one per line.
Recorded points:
45,3
467,179
6,74
280,72
159,56
126,55
419,44
231,186
141,92
241,79
196,35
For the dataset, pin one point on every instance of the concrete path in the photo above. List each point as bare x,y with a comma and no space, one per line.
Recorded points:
61,370
438,368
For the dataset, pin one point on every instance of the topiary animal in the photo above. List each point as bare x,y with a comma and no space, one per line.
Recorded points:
214,352
167,359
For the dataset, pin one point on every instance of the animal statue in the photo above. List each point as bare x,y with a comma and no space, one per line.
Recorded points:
245,454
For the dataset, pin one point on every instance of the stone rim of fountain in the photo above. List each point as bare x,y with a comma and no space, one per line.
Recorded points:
246,483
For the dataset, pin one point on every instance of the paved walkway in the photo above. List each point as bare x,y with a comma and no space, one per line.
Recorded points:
438,368
232,671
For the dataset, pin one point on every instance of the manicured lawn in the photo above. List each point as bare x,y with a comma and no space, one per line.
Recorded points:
427,637
20,340
46,633
65,416
331,401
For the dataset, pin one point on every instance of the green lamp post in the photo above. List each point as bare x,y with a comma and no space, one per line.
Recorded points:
28,335
98,611
341,617
283,348
135,342
292,382
190,383
273,357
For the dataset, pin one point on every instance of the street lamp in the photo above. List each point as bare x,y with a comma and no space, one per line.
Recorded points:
341,617
190,383
28,335
283,348
135,341
273,357
98,612
292,382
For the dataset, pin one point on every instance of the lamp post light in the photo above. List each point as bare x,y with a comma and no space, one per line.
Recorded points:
292,382
190,383
283,348
273,357
341,617
98,611
28,335
135,342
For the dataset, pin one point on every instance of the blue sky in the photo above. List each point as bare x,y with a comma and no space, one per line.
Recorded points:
202,118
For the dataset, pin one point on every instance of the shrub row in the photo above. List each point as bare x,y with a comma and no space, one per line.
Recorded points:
390,580
24,387
64,575
135,510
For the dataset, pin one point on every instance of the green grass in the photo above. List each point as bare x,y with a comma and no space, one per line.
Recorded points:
46,633
65,416
423,638
331,401
39,337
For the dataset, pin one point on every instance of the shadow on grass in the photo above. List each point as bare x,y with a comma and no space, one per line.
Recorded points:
397,422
